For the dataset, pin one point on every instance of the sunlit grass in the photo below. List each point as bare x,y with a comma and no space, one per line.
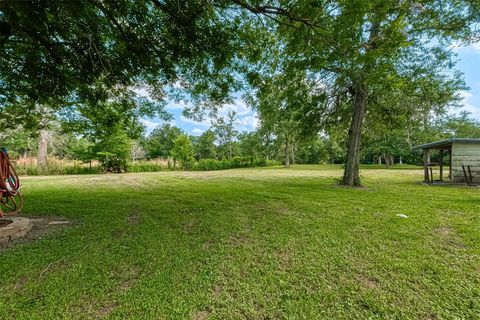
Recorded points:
247,244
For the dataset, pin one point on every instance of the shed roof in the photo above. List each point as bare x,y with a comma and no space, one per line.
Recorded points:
446,143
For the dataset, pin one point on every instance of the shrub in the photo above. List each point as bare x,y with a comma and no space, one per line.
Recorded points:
113,149
147,166
235,162
112,163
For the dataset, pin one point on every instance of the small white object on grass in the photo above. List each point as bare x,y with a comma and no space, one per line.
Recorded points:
401,215
57,222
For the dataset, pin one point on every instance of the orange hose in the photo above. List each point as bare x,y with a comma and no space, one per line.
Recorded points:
11,200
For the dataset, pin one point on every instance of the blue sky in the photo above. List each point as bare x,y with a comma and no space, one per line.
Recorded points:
247,119
469,64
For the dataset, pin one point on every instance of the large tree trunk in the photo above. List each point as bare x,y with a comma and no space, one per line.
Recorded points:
42,149
351,175
293,152
287,153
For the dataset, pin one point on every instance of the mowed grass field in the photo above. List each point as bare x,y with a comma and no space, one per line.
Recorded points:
267,243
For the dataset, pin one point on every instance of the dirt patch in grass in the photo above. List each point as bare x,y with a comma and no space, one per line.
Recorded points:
41,228
21,283
431,316
201,315
285,260
104,310
443,231
134,218
449,238
207,244
217,290
367,282
95,310
238,240
130,279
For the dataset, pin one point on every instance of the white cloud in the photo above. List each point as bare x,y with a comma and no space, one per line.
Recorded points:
468,105
149,124
474,111
457,46
476,46
248,122
204,123
177,105
197,131
237,105
177,85
466,95
142,92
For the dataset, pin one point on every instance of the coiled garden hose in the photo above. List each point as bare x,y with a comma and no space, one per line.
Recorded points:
11,200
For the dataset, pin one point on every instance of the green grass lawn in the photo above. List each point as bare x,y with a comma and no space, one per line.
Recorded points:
267,243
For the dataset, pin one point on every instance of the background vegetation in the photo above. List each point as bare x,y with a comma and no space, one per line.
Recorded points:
169,148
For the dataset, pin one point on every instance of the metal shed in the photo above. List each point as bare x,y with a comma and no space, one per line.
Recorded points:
464,155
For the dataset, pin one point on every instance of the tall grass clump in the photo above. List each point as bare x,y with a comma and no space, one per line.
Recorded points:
28,166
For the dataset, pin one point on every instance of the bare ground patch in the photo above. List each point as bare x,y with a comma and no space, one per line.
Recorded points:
217,290
129,279
134,218
285,260
207,245
448,237
96,310
41,228
238,240
367,281
201,315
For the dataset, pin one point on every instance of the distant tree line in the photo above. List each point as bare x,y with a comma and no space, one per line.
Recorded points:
116,146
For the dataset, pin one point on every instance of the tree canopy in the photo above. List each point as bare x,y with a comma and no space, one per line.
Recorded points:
364,52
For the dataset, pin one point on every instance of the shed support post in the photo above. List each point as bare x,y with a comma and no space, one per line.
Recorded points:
450,168
441,164
425,165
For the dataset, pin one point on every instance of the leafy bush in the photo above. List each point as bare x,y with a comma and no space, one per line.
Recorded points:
146,166
113,150
209,165
272,163
183,151
235,162
112,163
